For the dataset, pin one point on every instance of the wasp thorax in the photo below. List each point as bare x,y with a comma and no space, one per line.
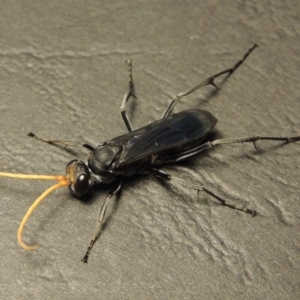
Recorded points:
101,159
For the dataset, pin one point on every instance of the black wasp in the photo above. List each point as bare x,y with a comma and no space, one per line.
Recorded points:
174,137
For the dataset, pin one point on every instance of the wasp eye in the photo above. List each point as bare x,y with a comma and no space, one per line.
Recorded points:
81,185
78,176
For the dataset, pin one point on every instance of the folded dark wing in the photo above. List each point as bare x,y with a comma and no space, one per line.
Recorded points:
170,132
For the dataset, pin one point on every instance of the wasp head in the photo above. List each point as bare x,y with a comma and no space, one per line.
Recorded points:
78,177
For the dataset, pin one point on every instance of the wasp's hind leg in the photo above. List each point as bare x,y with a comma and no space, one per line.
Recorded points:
199,188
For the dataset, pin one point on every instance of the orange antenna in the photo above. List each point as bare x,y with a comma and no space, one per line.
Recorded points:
62,182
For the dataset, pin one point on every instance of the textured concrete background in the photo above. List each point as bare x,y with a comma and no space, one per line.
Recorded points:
63,76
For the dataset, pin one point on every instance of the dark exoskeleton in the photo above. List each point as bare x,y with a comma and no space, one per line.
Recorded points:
170,139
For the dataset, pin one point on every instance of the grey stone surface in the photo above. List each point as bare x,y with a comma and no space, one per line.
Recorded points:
62,76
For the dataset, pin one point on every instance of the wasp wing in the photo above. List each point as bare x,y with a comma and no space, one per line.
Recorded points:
166,134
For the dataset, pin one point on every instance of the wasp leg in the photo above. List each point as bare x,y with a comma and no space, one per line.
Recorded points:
199,188
208,145
100,221
208,81
127,96
62,142
252,139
